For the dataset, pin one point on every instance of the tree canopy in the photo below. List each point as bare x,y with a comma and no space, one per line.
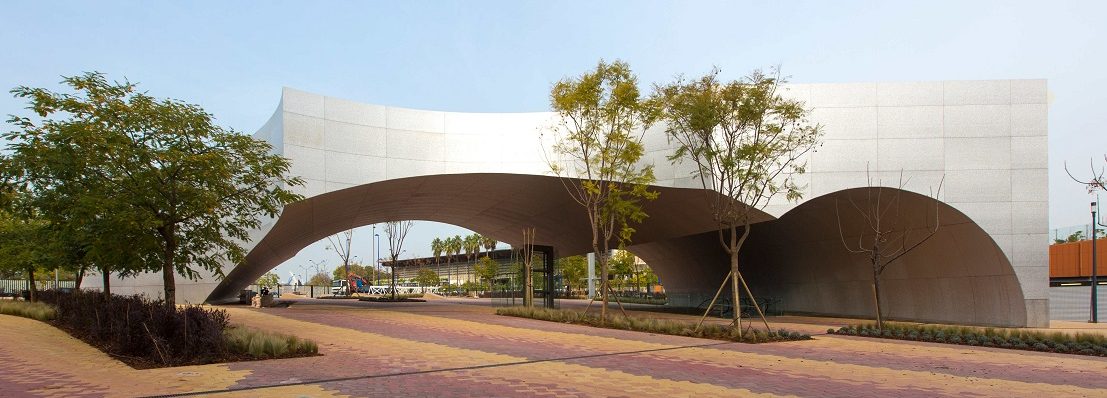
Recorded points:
598,145
151,184
747,142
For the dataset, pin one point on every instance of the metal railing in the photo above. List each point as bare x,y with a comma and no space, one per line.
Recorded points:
18,285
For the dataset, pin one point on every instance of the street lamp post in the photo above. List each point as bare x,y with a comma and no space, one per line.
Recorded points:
1095,271
377,255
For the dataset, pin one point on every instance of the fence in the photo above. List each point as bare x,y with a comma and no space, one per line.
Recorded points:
18,285
1073,303
1078,232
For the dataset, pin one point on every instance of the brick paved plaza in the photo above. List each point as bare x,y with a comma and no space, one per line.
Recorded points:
449,349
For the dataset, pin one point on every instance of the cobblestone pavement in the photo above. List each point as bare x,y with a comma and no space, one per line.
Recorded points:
447,349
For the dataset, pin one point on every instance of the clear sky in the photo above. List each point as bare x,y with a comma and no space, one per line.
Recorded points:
233,57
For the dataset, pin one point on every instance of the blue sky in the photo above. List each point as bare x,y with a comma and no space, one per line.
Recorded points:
232,58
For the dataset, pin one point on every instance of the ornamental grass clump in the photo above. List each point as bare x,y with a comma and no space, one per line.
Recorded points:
1059,342
38,311
260,344
652,325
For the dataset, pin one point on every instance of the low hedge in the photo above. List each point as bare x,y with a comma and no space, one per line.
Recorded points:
1059,342
146,333
142,330
652,325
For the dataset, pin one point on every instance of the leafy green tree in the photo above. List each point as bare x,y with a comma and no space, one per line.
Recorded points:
427,277
363,271
747,141
320,279
623,266
174,191
574,269
26,246
598,145
487,269
269,280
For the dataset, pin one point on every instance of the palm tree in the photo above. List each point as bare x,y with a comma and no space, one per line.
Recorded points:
451,246
472,246
488,244
437,248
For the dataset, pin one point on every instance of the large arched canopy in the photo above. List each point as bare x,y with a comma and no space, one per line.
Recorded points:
496,205
959,275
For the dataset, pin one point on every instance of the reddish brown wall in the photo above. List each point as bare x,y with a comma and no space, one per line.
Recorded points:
1069,260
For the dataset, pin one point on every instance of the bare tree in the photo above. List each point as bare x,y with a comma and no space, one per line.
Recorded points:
885,235
340,243
396,232
1096,182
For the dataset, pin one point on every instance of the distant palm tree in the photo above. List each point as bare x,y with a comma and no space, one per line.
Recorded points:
472,246
452,246
437,247
488,244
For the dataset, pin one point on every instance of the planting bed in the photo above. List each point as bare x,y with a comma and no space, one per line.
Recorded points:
1080,343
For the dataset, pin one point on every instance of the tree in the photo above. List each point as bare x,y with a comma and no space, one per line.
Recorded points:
573,271
488,243
747,142
452,246
320,279
427,277
341,243
623,265
357,269
598,143
487,269
886,233
437,248
396,232
176,192
270,279
26,246
527,254
472,245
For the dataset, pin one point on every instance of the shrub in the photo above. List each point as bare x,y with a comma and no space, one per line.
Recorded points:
261,344
650,325
38,311
132,326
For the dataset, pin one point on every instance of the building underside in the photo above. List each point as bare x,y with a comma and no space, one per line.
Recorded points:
957,276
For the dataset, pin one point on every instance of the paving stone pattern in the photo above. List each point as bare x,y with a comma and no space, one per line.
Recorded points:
447,349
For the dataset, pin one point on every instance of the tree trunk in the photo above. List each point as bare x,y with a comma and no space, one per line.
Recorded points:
604,284
31,283
736,304
876,297
105,274
528,284
80,277
168,271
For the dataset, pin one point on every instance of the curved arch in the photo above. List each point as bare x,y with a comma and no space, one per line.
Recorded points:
497,205
958,276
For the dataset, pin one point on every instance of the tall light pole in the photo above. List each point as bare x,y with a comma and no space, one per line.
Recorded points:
377,255
1095,271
